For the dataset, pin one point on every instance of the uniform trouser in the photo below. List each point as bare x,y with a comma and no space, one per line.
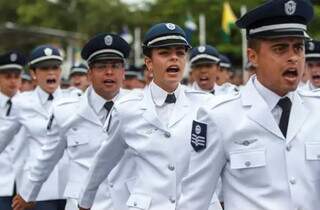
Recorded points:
5,202
72,204
50,205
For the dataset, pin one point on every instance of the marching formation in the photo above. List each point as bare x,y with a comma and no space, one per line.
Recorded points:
116,141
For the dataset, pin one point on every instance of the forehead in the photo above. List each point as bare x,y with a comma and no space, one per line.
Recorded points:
10,73
284,40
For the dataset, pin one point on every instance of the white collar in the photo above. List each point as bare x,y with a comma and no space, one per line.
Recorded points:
195,86
270,97
3,100
96,101
159,95
43,95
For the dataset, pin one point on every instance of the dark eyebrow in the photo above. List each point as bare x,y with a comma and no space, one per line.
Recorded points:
280,45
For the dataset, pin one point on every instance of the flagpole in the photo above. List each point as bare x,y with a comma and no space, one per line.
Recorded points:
137,46
202,29
245,76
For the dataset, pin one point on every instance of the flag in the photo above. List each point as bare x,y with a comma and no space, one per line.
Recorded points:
190,27
125,34
228,20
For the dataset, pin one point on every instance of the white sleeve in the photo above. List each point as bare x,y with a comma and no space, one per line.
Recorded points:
9,127
204,168
51,152
108,156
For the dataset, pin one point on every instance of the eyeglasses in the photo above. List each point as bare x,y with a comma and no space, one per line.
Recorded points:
104,66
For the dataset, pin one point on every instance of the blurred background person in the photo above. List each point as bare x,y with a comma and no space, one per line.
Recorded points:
78,77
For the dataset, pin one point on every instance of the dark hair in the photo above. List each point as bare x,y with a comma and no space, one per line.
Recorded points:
254,43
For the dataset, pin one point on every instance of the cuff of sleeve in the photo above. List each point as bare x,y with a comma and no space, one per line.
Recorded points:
30,190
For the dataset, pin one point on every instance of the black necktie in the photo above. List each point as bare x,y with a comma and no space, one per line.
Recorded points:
285,105
212,92
171,98
50,98
9,103
108,106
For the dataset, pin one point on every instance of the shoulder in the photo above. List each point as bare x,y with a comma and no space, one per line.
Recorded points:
130,96
71,92
227,99
24,98
311,98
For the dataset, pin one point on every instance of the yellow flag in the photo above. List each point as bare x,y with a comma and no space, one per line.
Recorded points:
228,18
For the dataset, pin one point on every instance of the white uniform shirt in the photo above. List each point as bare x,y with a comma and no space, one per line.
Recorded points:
31,110
78,129
161,153
164,110
260,168
271,99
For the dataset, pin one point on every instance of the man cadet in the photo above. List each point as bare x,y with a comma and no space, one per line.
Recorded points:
27,84
204,61
11,65
268,158
313,65
224,73
78,77
73,118
31,110
151,123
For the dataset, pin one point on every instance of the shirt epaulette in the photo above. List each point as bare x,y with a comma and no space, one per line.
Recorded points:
67,100
309,93
133,95
222,99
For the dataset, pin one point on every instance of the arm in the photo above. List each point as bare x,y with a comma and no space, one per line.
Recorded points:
108,156
204,169
9,127
51,153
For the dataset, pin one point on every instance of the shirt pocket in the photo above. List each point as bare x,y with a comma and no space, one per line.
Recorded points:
247,159
139,201
312,150
76,139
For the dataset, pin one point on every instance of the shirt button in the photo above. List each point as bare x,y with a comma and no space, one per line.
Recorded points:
293,181
111,185
171,167
288,148
172,200
76,142
135,204
247,163
167,134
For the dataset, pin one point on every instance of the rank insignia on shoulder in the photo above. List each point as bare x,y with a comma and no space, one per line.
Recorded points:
198,136
50,122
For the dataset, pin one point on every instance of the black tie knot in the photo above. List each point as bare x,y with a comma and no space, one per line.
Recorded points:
50,97
108,105
285,104
171,98
212,92
9,102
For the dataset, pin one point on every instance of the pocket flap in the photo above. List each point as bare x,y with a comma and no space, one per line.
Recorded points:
139,201
247,159
75,140
312,150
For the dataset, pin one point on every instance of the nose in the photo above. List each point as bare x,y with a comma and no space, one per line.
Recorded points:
174,56
294,56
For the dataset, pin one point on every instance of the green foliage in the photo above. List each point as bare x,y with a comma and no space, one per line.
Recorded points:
92,16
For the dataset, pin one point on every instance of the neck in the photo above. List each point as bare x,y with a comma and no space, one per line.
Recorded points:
168,88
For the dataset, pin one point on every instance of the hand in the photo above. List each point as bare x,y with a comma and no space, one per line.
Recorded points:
19,203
